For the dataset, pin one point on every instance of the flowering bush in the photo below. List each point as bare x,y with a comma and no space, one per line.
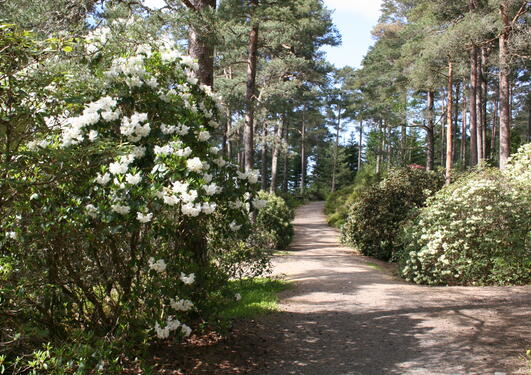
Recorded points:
114,200
374,219
474,231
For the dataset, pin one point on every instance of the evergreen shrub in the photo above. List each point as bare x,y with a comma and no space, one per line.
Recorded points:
374,218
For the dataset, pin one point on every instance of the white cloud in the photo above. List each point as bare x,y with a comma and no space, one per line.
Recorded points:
154,4
366,8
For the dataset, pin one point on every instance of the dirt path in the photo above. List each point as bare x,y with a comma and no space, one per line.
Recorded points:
344,317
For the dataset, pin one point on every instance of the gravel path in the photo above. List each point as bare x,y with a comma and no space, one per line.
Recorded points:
347,316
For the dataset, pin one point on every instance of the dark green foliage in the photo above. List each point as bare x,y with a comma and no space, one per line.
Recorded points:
338,203
374,219
275,219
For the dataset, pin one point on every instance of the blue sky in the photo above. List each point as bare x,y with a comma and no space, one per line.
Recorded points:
354,19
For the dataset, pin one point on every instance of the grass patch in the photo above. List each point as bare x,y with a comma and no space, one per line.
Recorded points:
258,297
281,253
375,266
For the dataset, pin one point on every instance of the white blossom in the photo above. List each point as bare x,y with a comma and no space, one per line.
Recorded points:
203,136
181,304
187,279
92,211
133,179
144,218
186,330
157,266
194,165
103,179
119,209
11,235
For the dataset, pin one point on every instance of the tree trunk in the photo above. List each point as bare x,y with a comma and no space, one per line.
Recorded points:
462,149
456,118
479,108
276,153
264,160
285,180
303,152
443,137
494,131
484,96
336,149
248,134
449,131
430,133
505,115
199,46
472,102
360,147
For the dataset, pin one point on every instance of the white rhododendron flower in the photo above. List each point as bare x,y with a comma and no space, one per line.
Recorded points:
194,165
11,235
181,304
92,211
133,179
187,279
186,330
103,179
203,136
191,209
144,218
211,189
157,266
238,296
118,168
208,208
189,196
119,209
93,134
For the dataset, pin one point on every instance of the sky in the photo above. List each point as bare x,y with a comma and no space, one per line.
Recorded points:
353,18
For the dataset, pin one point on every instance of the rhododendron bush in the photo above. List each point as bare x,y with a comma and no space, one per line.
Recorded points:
475,231
115,203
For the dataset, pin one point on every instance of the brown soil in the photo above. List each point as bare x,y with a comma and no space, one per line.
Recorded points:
346,316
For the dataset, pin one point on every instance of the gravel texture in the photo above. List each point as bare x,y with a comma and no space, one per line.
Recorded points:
348,315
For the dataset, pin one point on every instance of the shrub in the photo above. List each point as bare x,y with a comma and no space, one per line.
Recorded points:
474,231
339,202
374,219
108,203
275,219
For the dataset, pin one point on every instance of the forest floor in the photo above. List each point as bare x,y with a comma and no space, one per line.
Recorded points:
349,315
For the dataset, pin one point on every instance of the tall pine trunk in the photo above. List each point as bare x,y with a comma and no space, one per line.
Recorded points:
430,133
360,147
505,115
479,108
264,159
472,102
336,149
248,134
303,152
285,171
276,153
494,131
449,131
462,149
